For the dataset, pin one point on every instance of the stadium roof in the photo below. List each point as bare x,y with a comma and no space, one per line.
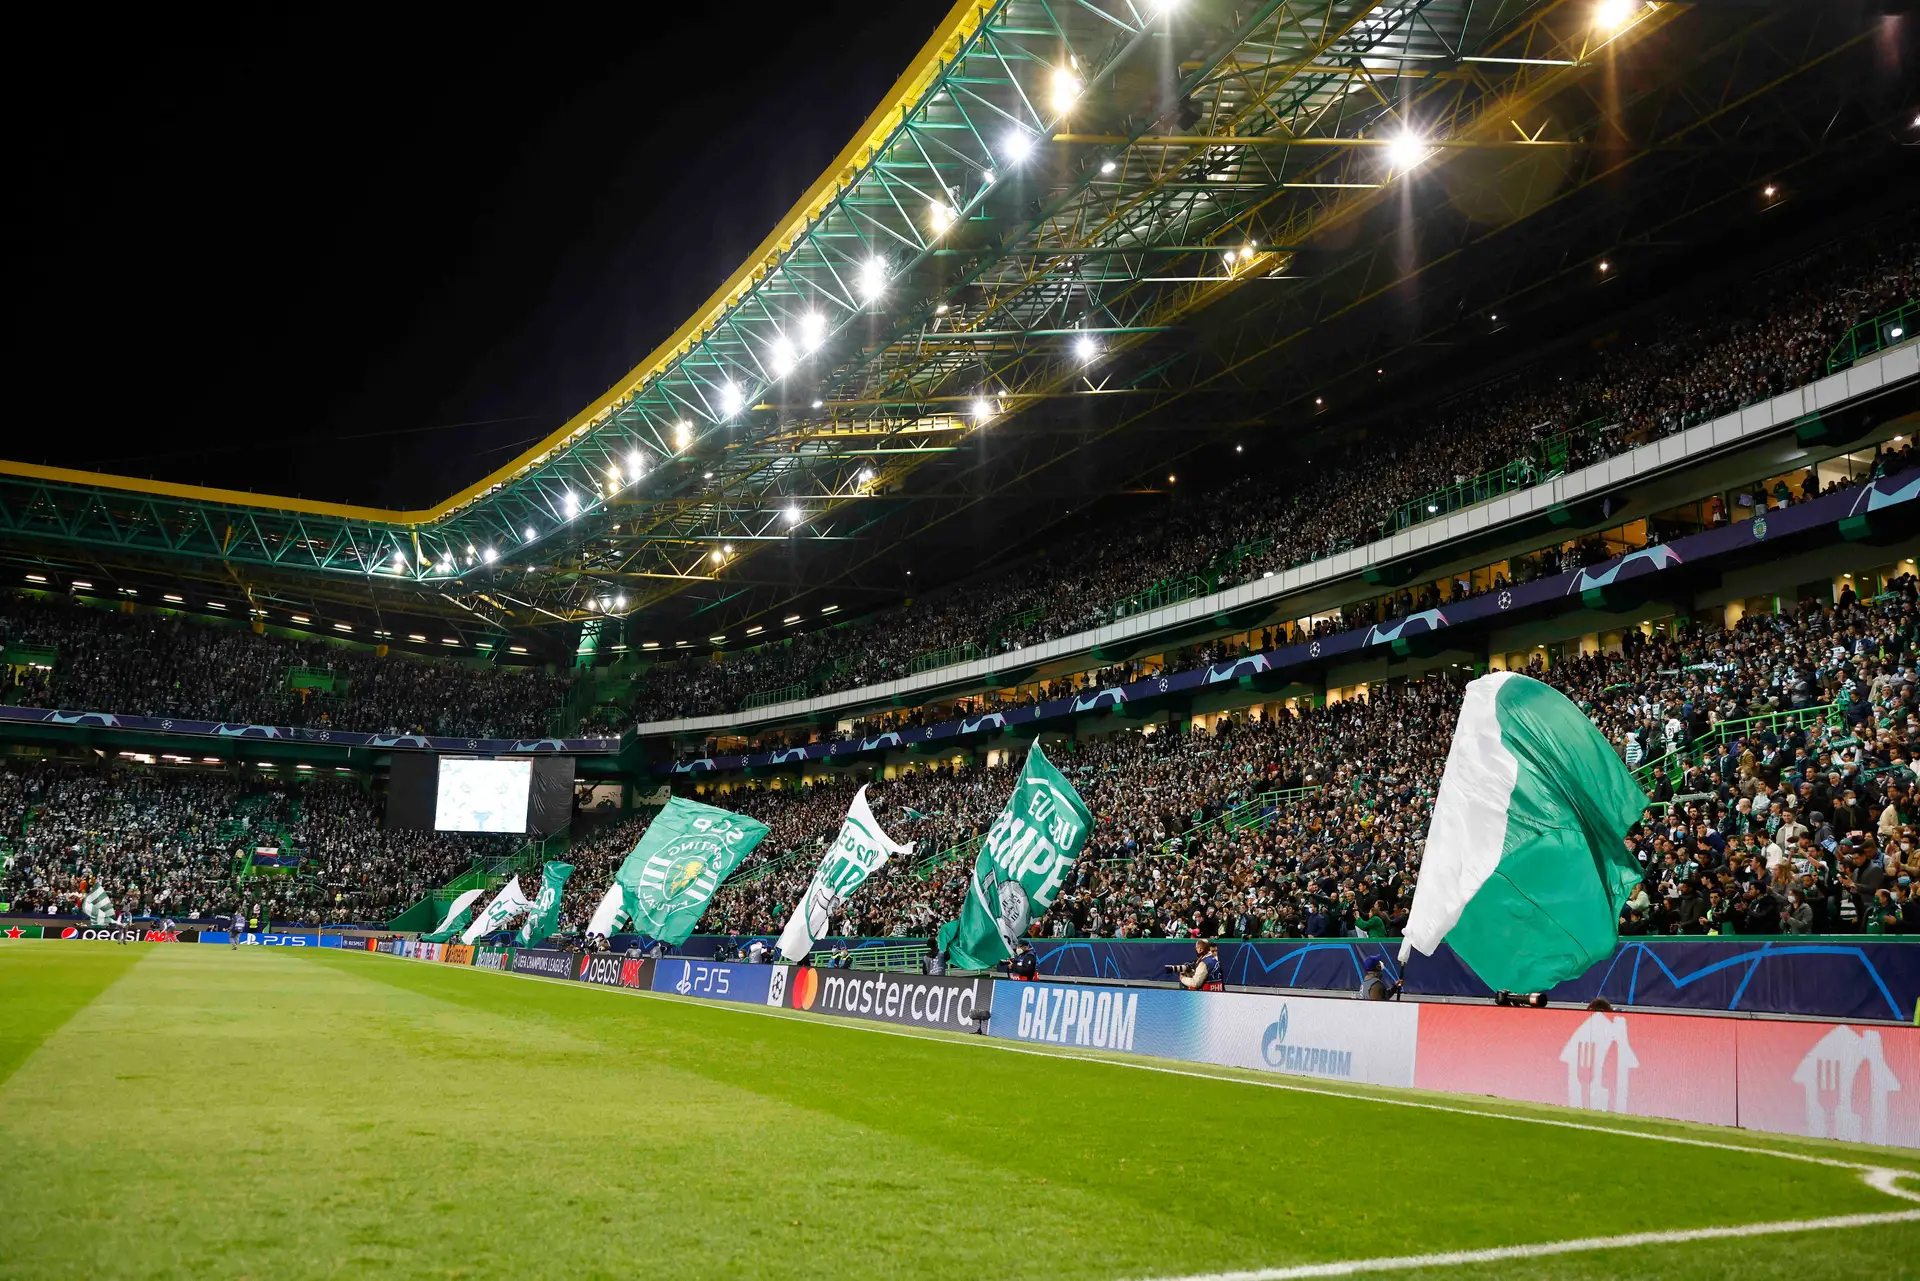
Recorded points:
1106,231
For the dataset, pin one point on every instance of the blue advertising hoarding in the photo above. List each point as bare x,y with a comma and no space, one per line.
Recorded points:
713,981
1334,1039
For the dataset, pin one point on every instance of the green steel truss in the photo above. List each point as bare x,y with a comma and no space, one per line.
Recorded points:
1071,181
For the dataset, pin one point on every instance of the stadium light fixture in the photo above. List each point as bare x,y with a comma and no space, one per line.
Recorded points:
490,555
570,504
1166,6
982,410
1896,332
791,619
730,399
873,278
1107,166
939,216
1406,150
866,475
636,465
399,562
1239,449
682,435
1771,191
619,602
755,630
1611,15
1605,266
793,513
528,534
1066,88
718,555
1086,348
1016,146
813,331
781,356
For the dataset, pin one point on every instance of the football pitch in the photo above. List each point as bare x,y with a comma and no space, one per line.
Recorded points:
187,1110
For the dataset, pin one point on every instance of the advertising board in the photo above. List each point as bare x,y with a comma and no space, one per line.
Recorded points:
715,981
492,958
611,970
251,939
1343,1040
917,1000
1633,1064
542,960
456,953
1831,1081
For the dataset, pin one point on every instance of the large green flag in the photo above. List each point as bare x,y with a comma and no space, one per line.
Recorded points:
545,912
1526,867
680,861
1023,860
456,918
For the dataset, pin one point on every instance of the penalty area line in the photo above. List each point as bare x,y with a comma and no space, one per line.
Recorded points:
1546,1249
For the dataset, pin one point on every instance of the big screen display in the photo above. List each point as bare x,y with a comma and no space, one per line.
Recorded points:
482,796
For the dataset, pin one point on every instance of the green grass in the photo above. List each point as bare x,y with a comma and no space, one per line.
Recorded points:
270,1113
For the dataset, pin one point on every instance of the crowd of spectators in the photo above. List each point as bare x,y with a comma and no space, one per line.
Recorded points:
149,664
1776,751
1696,360
1337,851
181,844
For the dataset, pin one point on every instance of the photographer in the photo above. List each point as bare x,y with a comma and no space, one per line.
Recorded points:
1024,965
1374,985
1203,973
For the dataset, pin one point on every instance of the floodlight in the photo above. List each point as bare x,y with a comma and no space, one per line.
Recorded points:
1016,146
1066,87
873,278
730,399
940,215
683,432
813,331
1406,151
490,555
781,356
1086,348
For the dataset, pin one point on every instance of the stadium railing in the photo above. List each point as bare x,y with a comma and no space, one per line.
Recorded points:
943,658
767,696
1720,734
1870,336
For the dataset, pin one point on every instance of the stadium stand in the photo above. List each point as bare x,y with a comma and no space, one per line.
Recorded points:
1776,749
188,843
147,664
1777,752
1690,361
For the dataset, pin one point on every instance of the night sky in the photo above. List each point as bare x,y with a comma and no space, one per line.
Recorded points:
341,265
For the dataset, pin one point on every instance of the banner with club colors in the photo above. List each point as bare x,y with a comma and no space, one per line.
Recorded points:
1023,861
679,862
860,850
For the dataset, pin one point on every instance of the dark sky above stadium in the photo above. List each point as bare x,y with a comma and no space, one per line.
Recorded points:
370,266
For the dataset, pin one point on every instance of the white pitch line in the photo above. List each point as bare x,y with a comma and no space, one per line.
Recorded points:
1579,1245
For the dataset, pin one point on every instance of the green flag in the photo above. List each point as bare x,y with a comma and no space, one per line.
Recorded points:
1023,860
455,919
98,907
680,861
545,912
1526,867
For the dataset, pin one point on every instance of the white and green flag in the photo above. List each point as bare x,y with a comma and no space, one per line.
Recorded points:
98,907
455,918
544,915
612,911
507,904
860,850
1024,859
1526,866
679,862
